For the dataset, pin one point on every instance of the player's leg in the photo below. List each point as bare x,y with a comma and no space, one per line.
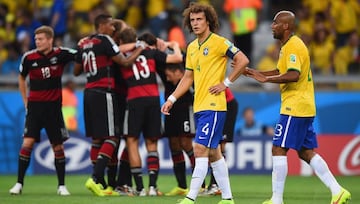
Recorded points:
320,166
179,166
33,125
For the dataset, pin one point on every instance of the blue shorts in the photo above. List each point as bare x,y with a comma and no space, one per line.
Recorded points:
295,133
209,127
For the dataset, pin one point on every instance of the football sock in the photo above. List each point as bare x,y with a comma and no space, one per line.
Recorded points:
60,166
279,173
105,153
137,174
179,168
94,151
198,176
191,156
153,167
221,174
24,160
322,171
124,172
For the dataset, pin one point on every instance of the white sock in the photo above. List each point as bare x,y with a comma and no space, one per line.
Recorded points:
279,173
322,171
221,174
198,176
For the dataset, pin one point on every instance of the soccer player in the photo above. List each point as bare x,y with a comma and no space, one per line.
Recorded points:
206,59
179,127
295,127
142,115
96,55
44,66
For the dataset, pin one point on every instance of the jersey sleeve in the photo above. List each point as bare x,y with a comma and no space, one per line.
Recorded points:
111,48
293,61
160,59
230,49
23,68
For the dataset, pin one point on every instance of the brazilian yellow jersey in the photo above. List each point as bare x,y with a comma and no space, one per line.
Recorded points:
208,62
297,98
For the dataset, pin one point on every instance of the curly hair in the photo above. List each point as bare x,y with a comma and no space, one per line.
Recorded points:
210,14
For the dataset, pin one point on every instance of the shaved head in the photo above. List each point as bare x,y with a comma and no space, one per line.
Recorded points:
286,17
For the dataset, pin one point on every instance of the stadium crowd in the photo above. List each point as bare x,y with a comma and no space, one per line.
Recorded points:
330,28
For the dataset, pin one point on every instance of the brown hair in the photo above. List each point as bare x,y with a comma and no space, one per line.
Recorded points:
128,35
210,14
49,32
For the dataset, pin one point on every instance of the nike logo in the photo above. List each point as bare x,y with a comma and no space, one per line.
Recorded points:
337,201
202,137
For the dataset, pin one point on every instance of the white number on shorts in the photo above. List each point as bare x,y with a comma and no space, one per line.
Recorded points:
186,126
205,129
278,130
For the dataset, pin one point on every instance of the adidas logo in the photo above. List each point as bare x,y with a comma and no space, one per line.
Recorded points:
35,64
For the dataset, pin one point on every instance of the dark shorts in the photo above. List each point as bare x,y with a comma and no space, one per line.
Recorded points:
180,122
46,115
232,110
101,114
143,116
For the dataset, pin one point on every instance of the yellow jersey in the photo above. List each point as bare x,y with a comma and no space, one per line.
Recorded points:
208,62
297,98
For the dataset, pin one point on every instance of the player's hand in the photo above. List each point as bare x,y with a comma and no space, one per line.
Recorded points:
165,108
217,89
256,75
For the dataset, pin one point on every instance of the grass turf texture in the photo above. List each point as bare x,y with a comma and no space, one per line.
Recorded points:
247,189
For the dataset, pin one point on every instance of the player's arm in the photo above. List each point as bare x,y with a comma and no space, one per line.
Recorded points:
183,86
127,61
78,69
176,56
291,75
23,88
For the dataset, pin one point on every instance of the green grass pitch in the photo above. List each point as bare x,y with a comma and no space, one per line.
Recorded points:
247,189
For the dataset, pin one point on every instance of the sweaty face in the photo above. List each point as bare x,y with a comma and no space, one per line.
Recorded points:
198,23
109,27
43,43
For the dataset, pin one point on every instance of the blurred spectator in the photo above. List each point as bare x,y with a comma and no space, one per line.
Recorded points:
305,24
322,50
243,17
316,6
156,12
27,27
58,18
347,61
344,18
70,106
269,62
133,15
252,128
42,10
175,32
11,64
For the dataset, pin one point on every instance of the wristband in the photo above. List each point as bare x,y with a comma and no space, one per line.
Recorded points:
140,44
227,82
172,98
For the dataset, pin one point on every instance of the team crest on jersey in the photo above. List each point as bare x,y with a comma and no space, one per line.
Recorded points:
206,51
53,60
292,58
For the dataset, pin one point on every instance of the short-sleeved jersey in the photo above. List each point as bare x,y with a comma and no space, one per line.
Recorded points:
141,77
45,72
208,62
297,98
95,53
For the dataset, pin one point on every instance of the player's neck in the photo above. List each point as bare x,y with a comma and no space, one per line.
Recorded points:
203,36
